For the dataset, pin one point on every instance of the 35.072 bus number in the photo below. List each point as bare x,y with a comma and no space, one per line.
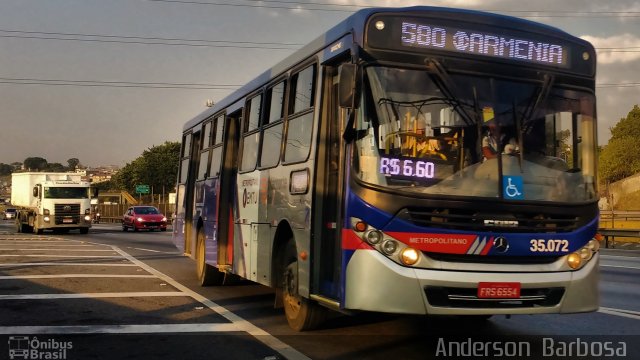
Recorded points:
542,245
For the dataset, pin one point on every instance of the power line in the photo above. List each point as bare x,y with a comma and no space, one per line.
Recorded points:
43,35
188,2
146,42
116,84
534,13
171,85
148,38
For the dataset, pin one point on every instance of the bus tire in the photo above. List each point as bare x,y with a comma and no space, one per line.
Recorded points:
301,313
207,274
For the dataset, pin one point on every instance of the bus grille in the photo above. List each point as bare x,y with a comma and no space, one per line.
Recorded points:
489,259
67,213
474,220
467,298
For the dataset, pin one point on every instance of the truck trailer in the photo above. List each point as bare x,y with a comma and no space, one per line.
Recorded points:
55,201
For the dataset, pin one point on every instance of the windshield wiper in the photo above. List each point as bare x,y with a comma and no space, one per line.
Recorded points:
446,85
540,99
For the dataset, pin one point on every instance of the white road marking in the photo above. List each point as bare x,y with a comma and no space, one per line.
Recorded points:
65,276
242,324
237,323
63,264
63,256
621,267
619,257
157,251
93,295
58,249
620,312
119,329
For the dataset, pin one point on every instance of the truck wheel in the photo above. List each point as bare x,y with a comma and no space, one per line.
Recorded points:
25,228
207,274
302,313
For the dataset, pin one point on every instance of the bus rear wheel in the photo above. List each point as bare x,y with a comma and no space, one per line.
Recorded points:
302,314
207,274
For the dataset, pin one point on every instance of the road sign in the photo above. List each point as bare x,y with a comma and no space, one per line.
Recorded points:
142,189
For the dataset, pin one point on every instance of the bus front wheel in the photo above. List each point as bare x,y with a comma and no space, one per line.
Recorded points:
302,313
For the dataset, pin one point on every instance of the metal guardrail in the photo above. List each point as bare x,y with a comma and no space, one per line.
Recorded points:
617,216
622,215
607,232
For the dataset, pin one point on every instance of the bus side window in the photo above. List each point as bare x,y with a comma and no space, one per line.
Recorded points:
300,122
272,126
251,134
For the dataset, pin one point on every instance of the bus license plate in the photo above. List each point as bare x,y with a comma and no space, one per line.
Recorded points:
499,290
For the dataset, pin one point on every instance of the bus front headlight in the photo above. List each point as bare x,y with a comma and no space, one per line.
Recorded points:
409,256
574,261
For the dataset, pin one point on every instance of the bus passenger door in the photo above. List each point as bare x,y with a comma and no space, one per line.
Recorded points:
227,201
190,193
327,208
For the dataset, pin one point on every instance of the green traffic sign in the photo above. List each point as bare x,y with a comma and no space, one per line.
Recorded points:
142,189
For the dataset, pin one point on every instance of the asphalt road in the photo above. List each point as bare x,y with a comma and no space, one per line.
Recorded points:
115,295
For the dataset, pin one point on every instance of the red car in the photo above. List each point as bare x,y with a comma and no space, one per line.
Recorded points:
144,217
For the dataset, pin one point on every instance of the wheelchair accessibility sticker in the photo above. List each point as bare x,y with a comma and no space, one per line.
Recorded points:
512,187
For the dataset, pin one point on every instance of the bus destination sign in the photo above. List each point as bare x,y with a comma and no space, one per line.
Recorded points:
409,33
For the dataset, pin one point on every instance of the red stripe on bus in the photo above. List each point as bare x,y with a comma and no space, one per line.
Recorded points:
487,247
351,241
439,243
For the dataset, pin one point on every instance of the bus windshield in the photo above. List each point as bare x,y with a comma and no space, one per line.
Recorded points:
481,136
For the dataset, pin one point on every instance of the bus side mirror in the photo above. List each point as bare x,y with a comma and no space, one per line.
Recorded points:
95,192
35,191
347,85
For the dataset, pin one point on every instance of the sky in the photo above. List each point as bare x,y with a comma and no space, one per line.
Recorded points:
104,80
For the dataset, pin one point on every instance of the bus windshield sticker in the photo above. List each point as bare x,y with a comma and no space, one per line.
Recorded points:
512,187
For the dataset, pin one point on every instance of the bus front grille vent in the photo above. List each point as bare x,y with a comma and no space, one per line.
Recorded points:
474,220
468,298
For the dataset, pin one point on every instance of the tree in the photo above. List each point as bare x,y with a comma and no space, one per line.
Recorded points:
621,157
5,169
55,167
35,163
73,163
157,167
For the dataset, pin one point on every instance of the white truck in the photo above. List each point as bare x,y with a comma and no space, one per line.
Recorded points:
56,201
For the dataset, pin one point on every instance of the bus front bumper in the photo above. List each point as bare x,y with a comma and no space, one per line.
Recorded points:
375,283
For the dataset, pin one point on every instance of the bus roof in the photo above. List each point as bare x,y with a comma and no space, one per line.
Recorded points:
355,24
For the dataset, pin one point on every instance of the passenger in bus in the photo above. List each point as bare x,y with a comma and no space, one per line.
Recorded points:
429,147
494,140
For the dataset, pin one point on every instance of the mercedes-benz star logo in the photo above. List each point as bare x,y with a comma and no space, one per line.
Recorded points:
501,244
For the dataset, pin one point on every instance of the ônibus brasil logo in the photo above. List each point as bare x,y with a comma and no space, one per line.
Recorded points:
26,347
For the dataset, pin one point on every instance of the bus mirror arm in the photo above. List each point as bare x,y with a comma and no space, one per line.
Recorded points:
349,132
347,85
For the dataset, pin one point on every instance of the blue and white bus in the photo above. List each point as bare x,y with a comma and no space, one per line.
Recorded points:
412,160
